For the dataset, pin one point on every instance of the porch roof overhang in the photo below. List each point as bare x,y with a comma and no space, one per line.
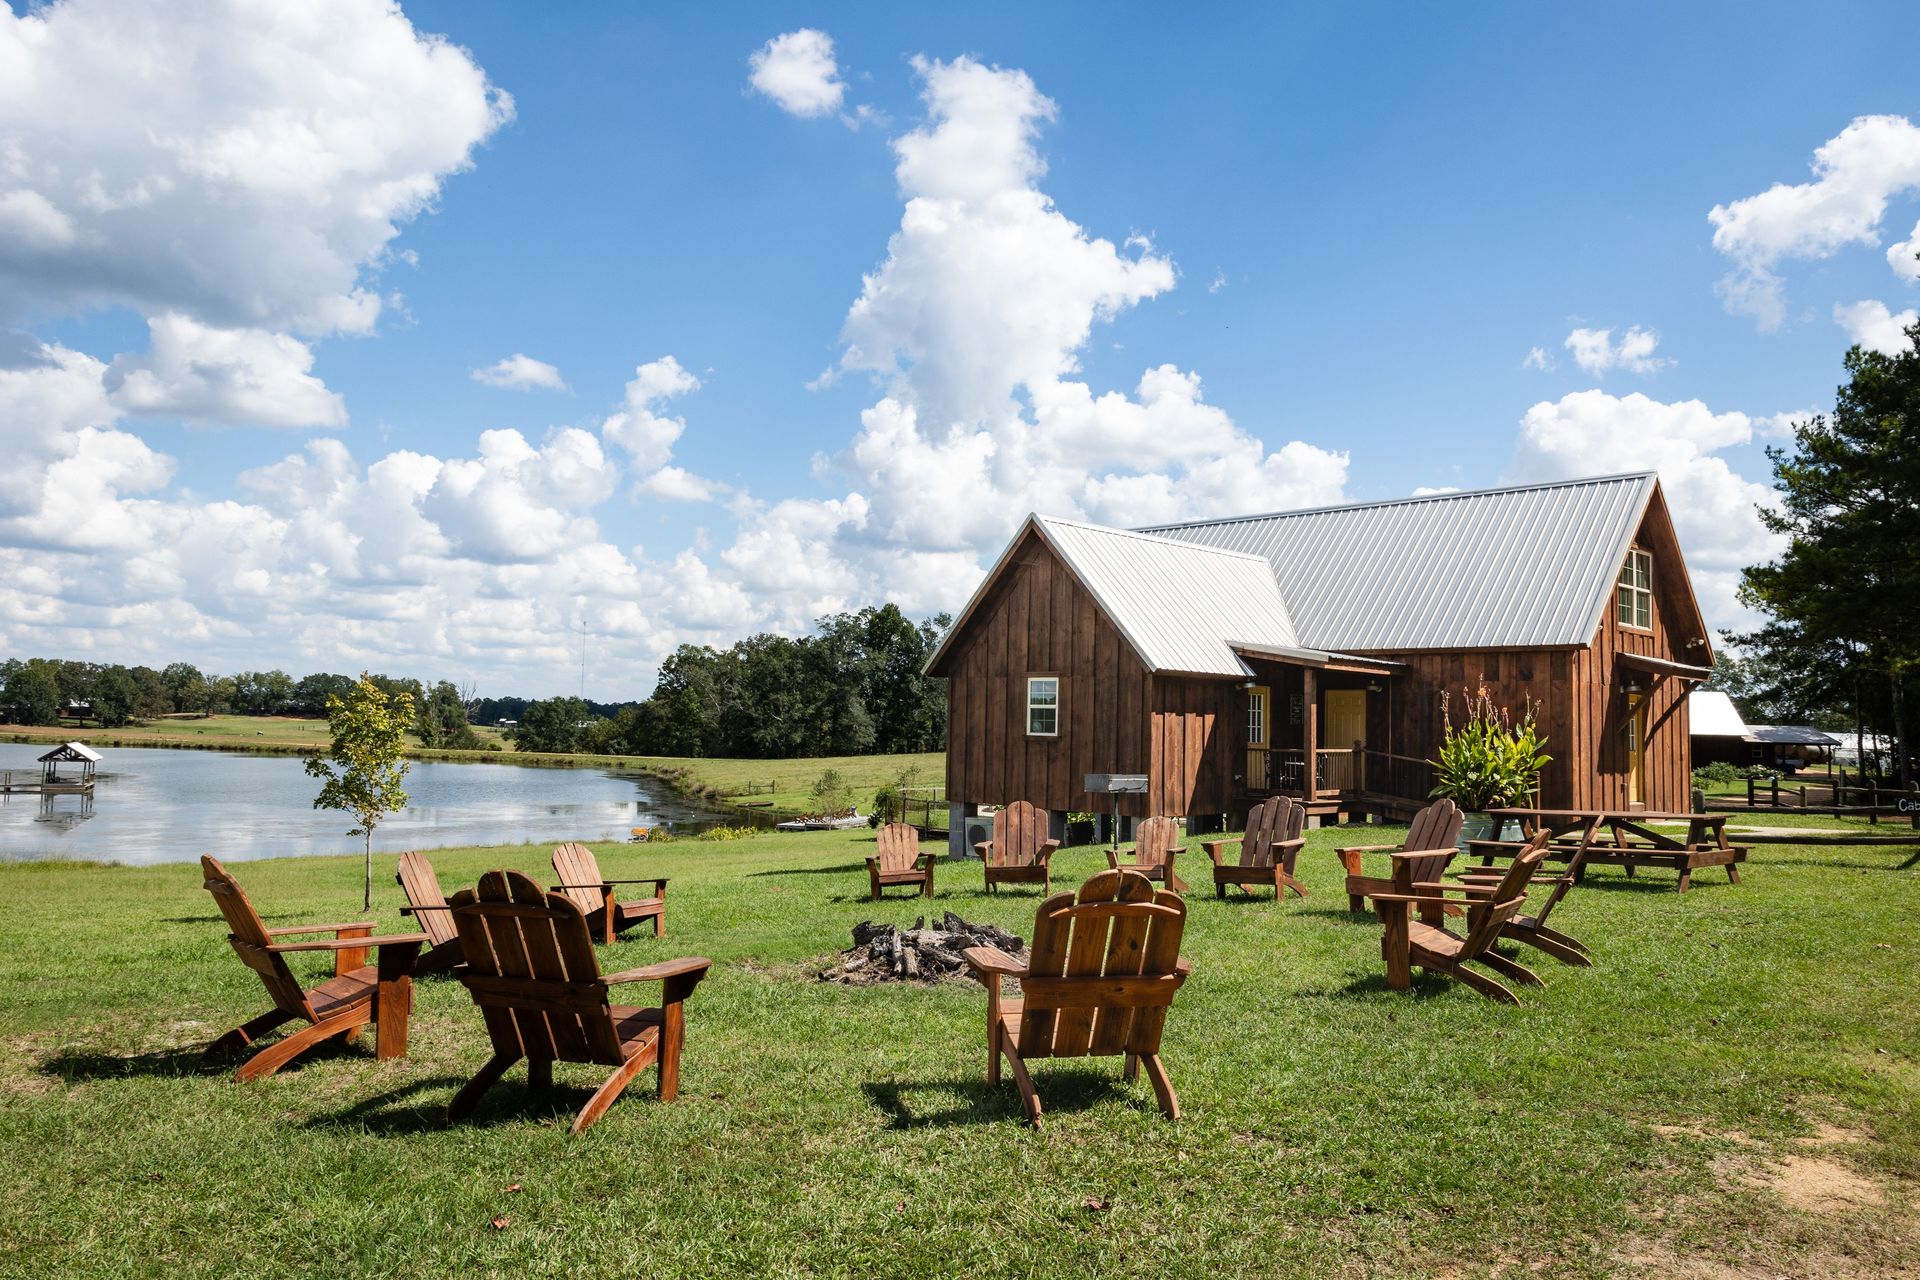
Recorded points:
1662,666
1328,659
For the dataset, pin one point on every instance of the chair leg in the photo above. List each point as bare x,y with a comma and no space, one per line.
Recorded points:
623,1076
1511,968
276,1056
1483,984
540,1073
1356,903
1162,1087
1557,945
1029,1096
660,924
993,1051
1130,1069
246,1033
469,1096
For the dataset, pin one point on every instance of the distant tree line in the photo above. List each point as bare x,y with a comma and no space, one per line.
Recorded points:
854,687
33,691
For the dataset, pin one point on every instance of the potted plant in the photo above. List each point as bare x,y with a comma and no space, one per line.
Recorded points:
1079,829
1490,760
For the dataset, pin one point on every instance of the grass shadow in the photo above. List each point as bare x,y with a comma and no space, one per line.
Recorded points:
74,1066
396,1112
839,869
1062,1091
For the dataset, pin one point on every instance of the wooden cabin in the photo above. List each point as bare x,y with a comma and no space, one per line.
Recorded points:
1307,652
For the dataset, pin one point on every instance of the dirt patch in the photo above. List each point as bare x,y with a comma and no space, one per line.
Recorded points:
1822,1186
1833,1135
1703,1134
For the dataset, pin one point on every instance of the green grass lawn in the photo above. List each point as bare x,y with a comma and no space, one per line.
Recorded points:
792,781
1734,1090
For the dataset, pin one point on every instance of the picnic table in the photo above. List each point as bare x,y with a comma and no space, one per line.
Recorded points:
1629,843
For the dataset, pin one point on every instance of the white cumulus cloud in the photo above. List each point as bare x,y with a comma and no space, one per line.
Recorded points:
1855,174
223,376
798,72
1595,351
520,373
1872,325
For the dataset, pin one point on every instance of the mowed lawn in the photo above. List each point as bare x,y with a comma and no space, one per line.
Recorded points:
1734,1090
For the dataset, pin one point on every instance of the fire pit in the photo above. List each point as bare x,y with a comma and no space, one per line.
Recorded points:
884,953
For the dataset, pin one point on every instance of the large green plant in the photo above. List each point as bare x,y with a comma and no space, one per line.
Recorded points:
1489,760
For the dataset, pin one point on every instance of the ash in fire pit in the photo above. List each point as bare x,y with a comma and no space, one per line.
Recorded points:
882,953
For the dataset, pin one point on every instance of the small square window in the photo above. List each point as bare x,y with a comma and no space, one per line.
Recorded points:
1043,707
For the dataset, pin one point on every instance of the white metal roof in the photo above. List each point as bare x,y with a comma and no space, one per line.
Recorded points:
1524,566
72,751
1711,714
1792,735
1182,605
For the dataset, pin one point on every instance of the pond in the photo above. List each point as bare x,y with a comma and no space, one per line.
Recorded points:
172,806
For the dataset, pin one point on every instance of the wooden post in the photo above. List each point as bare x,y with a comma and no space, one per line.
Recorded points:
1310,727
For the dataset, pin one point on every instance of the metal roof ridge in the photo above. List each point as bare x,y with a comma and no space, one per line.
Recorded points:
1180,543
1147,530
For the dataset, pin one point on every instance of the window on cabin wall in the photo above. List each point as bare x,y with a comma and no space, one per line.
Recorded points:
1043,706
1633,596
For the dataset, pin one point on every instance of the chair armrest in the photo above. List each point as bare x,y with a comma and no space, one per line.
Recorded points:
659,972
1438,886
1423,853
414,911
1369,848
348,944
1046,850
982,847
1298,842
603,886
1183,967
654,880
985,960
1214,848
322,928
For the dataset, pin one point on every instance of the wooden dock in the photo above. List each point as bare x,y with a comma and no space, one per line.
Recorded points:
17,782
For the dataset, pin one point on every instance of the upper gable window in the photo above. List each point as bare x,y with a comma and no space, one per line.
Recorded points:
1633,598
1043,707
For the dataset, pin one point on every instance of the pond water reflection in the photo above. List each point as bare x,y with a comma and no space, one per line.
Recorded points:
172,806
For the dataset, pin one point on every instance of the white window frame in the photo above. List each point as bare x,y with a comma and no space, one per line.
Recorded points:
1257,699
1633,593
1053,707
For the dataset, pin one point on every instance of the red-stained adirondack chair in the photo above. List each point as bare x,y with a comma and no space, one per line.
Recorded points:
1432,840
357,993
1407,942
429,909
580,880
531,968
898,860
1019,849
1531,928
1155,844
1268,849
1099,977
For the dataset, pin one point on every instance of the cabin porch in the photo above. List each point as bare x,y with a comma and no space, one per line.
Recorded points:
1324,733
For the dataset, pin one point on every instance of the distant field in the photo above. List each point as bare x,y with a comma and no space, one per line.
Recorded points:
241,732
789,783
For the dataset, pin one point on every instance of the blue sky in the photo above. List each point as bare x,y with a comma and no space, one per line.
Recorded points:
1350,224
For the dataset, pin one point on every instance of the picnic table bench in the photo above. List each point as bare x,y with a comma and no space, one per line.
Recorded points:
1630,842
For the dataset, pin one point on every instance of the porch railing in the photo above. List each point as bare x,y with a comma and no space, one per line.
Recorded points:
1336,770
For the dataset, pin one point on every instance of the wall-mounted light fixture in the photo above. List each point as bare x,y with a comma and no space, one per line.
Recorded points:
1374,686
1629,684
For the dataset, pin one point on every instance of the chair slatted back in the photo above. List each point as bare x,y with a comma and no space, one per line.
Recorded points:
575,864
422,889
1018,832
1273,821
899,847
1154,840
250,939
532,970
1436,827
1485,919
1101,969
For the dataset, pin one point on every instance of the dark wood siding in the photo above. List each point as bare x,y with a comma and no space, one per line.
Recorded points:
1036,619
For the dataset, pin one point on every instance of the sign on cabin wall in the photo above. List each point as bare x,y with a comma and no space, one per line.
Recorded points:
1296,708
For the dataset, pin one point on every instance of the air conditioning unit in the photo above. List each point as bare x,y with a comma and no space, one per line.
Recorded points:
979,830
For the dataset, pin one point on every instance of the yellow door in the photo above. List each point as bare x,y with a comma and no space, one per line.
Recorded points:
1636,733
1344,727
1259,726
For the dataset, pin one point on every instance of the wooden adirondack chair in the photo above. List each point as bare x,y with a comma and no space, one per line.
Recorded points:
1434,834
1407,942
1019,850
580,880
1155,844
898,860
1268,850
357,993
1100,975
429,909
531,967
1532,929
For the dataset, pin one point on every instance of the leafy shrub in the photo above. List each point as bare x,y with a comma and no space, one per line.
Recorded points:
1719,773
1488,761
728,833
831,792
